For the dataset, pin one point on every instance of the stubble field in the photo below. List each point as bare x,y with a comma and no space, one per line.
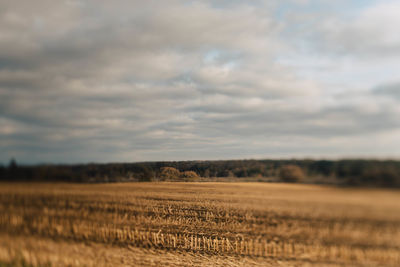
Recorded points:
198,224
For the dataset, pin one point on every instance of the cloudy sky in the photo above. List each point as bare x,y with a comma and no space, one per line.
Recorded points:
112,81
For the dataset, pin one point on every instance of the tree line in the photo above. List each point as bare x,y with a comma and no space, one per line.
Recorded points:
382,173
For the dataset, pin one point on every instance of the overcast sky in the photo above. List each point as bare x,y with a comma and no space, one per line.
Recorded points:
134,80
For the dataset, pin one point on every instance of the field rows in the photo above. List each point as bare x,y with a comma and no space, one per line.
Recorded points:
201,243
231,223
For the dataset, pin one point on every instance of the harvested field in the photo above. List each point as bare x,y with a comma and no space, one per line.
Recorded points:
200,224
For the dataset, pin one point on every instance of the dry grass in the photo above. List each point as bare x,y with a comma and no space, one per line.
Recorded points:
199,224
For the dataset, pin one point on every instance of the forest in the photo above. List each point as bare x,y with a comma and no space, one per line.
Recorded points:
376,173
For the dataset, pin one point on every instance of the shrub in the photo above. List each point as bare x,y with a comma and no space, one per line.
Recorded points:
291,173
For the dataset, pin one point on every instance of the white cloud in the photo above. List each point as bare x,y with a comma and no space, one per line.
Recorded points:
373,32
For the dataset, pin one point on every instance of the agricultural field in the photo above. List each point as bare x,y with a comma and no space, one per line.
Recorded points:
197,224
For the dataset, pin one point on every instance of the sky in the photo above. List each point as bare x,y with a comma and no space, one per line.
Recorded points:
127,81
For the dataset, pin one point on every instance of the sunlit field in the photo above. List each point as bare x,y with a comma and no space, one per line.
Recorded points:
197,224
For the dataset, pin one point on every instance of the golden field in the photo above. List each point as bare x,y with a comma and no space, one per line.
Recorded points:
197,224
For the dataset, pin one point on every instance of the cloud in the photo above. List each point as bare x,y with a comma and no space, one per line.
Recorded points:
391,90
133,80
370,32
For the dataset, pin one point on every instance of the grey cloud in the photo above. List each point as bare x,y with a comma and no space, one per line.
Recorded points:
391,90
326,123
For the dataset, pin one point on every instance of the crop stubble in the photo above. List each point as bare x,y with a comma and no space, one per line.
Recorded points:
299,224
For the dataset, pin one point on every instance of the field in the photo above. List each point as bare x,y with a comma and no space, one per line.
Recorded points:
197,224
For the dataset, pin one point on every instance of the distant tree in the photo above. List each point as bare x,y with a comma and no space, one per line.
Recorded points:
385,176
13,164
189,175
13,170
169,173
2,172
291,173
322,167
146,174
